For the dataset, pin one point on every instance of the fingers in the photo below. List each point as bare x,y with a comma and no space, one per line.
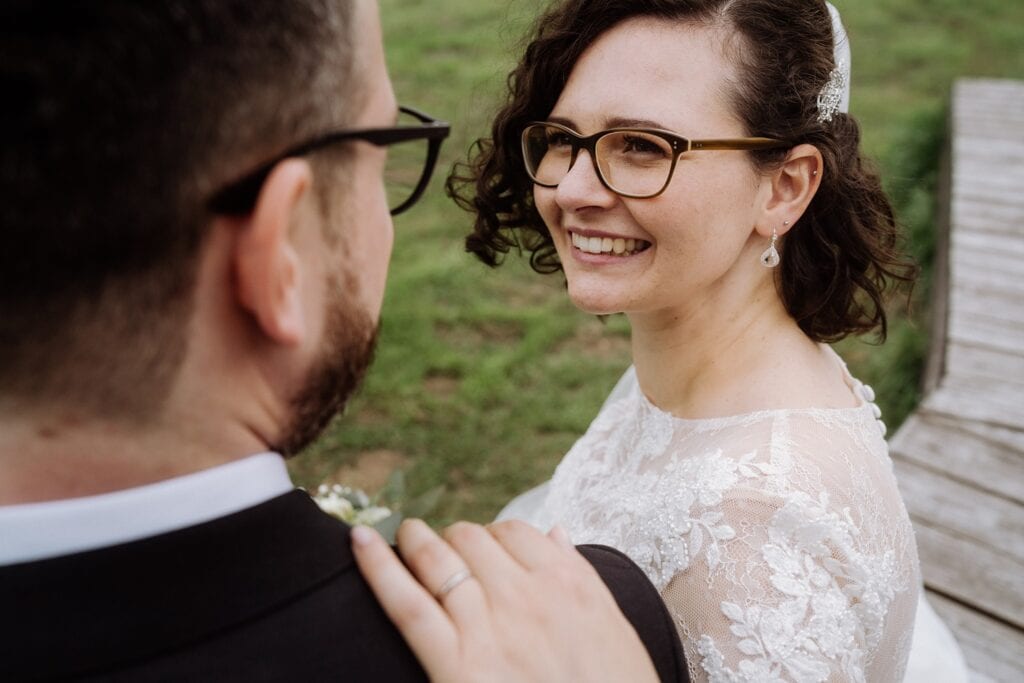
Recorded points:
423,623
440,569
531,548
492,565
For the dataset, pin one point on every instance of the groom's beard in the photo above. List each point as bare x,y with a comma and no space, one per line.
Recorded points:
350,337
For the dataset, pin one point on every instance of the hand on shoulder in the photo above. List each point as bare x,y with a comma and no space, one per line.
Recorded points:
532,608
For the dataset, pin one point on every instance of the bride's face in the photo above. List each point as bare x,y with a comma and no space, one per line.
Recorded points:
696,241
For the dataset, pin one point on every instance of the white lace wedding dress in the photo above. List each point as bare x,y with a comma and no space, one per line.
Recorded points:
778,539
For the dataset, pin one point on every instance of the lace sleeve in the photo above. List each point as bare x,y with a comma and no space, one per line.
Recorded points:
792,596
778,539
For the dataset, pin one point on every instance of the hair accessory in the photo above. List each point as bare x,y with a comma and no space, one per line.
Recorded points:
770,257
835,96
831,95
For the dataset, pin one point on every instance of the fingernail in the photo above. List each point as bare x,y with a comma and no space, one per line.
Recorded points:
362,536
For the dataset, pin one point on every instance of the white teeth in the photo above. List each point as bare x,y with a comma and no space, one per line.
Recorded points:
607,245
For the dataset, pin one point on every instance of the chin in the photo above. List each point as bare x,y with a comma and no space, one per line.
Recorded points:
595,303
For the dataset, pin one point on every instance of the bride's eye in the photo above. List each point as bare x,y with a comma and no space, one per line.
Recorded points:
557,138
642,145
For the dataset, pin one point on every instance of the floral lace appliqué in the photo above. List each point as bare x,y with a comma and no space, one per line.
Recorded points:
778,539
832,610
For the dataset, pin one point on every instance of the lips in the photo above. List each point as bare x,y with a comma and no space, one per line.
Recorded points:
616,246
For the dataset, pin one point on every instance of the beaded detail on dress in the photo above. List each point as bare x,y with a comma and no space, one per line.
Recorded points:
778,538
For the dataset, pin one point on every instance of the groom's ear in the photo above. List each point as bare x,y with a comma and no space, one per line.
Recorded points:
792,186
266,260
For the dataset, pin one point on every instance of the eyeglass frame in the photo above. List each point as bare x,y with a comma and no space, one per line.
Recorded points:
239,196
679,144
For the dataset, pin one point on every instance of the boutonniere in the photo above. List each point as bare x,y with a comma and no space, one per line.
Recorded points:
383,511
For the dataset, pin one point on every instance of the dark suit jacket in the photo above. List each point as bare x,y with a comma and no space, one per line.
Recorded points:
271,593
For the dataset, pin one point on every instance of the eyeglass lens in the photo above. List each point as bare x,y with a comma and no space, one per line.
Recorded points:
406,164
631,162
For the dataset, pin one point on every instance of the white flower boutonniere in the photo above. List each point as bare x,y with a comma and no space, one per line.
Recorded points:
383,511
351,506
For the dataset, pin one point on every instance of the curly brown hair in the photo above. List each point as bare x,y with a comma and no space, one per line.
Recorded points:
841,258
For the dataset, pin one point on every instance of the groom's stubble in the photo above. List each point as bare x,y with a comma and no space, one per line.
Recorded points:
346,351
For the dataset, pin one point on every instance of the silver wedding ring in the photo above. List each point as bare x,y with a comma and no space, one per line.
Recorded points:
453,581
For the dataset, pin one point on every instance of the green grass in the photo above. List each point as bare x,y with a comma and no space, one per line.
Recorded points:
484,378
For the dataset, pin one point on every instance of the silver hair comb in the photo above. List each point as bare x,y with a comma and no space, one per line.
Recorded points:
830,98
835,95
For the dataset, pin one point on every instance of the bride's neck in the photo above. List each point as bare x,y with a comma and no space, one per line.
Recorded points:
710,361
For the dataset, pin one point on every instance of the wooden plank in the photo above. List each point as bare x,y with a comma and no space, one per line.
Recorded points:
976,293
981,153
988,130
991,405
975,241
988,87
985,363
985,457
990,126
988,293
978,89
976,160
991,648
985,296
1003,396
971,573
988,520
989,105
996,258
987,99
985,110
973,174
1001,217
985,193
981,93
967,327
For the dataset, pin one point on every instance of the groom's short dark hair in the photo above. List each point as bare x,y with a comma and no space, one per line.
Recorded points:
120,118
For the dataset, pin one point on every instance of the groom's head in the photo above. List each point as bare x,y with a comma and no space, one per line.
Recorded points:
123,122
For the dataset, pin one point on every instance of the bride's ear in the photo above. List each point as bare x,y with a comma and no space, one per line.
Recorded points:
791,187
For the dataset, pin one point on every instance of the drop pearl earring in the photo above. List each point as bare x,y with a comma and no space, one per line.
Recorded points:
770,257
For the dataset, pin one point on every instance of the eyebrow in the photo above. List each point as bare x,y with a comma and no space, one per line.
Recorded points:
621,122
614,122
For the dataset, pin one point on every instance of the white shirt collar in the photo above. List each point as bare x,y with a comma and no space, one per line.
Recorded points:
36,531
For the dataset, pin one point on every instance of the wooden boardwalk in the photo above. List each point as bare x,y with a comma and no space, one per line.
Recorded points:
960,457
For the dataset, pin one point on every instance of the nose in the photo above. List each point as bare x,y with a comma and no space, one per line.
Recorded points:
581,188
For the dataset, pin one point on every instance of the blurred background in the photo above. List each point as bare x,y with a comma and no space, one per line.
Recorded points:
484,378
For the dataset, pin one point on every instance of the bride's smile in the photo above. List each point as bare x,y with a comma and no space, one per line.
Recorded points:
596,242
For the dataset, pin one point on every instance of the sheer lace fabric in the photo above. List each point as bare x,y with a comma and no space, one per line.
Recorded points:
778,539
